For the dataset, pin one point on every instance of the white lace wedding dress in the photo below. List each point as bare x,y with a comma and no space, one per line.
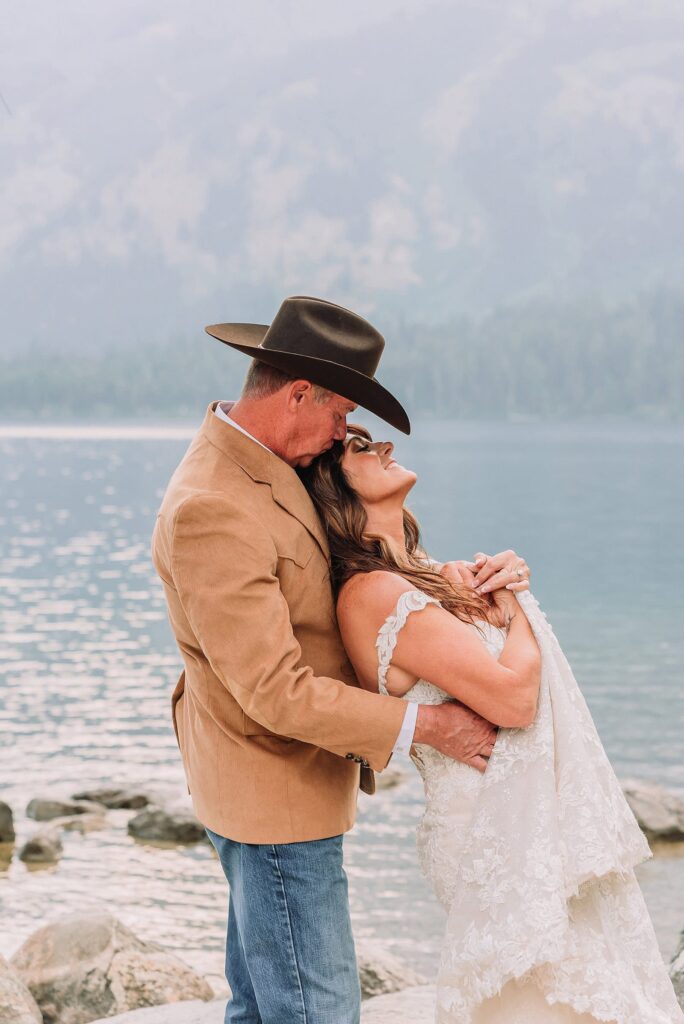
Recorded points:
533,862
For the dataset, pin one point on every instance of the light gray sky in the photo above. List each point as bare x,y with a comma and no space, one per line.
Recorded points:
169,164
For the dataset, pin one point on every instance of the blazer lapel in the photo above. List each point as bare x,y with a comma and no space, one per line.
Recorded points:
294,498
264,467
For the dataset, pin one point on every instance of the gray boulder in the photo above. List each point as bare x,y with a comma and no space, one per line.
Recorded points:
659,811
17,1005
193,1012
677,971
167,825
412,1006
86,966
381,973
44,847
47,808
115,799
6,823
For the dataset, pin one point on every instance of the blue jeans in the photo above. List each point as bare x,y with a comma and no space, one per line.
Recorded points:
289,951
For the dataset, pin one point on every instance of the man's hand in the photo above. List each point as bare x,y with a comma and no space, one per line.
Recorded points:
456,731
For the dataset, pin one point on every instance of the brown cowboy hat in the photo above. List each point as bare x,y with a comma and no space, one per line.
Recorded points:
325,344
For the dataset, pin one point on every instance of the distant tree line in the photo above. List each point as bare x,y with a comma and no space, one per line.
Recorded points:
546,360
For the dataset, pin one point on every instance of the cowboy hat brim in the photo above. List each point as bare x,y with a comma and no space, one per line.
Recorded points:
343,380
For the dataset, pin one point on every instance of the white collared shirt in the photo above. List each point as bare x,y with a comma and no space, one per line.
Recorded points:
408,728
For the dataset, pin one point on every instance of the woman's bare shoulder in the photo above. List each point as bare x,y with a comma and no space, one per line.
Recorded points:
371,593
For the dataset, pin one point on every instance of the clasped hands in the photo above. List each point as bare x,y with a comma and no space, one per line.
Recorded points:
461,733
489,576
487,573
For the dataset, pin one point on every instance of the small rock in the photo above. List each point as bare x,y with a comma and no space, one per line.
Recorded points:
412,1006
388,779
47,808
6,823
380,972
17,1005
6,854
115,799
80,822
677,971
86,966
174,826
42,848
659,811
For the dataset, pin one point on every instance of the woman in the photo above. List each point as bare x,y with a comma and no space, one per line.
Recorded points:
533,860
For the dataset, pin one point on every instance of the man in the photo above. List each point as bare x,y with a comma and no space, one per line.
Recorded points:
275,734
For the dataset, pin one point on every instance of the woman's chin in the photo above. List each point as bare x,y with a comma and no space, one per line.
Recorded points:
406,476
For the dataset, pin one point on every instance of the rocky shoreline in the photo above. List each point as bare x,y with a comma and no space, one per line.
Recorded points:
659,811
89,967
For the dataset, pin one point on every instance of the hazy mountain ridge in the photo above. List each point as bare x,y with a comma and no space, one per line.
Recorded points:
546,360
173,167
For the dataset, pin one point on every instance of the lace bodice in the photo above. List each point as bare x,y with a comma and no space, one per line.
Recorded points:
533,861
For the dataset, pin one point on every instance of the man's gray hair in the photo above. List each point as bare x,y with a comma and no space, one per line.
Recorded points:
263,380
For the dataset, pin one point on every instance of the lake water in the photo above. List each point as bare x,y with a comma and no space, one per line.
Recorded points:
88,661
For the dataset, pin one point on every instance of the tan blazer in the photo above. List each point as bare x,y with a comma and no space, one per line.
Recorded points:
271,723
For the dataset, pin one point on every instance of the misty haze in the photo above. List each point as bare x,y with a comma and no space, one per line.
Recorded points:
500,184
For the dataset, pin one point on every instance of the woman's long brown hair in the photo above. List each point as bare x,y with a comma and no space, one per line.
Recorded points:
352,550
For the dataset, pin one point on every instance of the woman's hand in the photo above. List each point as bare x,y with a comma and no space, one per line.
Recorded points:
459,572
488,573
507,569
496,578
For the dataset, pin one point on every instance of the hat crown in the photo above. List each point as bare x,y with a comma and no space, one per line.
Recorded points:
315,327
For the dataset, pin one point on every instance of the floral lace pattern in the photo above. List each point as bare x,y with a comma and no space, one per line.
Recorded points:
533,862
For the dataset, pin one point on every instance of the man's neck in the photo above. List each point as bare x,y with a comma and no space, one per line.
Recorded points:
257,422
223,411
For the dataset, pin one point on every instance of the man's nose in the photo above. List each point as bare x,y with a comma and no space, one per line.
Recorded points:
341,430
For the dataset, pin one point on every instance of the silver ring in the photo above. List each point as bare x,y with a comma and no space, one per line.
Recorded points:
519,572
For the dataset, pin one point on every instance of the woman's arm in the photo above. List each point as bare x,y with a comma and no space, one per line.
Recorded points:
436,646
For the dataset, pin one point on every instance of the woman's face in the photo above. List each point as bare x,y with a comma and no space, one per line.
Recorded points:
372,471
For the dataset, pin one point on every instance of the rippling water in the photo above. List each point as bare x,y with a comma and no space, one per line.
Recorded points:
88,661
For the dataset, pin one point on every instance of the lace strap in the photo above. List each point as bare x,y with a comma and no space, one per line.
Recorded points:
409,601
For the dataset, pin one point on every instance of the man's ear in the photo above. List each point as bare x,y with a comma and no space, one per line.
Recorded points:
298,391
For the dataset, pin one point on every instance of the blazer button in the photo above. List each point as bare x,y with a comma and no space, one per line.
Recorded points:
349,756
359,760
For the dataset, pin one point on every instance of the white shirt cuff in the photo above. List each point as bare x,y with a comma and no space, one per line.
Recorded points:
405,737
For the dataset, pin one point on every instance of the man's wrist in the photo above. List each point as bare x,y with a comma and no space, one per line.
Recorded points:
426,724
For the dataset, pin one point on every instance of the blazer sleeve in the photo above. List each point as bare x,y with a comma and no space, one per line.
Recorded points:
223,563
